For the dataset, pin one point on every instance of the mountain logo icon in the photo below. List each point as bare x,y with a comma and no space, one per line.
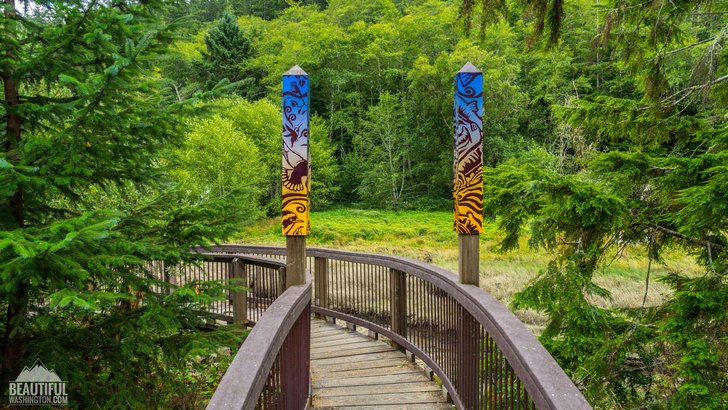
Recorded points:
38,373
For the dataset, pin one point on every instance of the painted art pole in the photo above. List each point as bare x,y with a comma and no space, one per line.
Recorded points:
468,171
296,186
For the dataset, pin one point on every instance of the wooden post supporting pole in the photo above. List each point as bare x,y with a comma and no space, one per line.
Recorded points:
295,260
469,259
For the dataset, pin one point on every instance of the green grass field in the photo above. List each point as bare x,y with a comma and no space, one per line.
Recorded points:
428,236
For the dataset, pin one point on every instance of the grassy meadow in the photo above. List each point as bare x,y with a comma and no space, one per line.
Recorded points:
428,236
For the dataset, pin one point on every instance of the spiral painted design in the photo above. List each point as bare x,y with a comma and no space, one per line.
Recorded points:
296,168
468,153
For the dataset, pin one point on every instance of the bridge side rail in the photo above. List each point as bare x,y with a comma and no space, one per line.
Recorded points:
272,367
264,277
483,355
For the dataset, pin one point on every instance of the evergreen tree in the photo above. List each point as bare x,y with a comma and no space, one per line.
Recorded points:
227,48
548,16
647,167
85,202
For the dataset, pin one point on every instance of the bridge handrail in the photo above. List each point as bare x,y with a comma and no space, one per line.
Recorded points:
222,267
261,261
283,329
544,380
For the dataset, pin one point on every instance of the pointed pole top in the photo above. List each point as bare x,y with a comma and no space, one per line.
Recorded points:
295,70
469,68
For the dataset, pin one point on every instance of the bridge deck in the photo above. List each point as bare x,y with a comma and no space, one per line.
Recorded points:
351,370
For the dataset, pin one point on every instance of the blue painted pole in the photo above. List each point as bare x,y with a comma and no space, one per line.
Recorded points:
296,173
468,170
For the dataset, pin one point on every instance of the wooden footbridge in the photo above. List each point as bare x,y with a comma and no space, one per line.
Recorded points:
351,370
374,332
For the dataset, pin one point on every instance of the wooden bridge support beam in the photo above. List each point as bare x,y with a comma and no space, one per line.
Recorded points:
295,260
469,259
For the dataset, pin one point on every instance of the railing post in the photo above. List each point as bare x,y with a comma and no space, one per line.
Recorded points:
240,299
321,283
398,299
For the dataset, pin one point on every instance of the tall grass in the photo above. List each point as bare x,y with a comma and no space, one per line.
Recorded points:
428,236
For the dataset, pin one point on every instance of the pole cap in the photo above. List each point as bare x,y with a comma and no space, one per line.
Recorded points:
467,68
295,70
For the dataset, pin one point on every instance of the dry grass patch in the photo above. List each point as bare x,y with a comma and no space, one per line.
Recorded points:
428,236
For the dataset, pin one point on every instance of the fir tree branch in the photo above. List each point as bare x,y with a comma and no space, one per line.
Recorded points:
73,29
44,99
677,50
689,90
695,241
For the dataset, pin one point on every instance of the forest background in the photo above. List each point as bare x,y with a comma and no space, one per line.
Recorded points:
605,132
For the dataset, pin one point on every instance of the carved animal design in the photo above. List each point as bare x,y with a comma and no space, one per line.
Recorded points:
294,179
468,154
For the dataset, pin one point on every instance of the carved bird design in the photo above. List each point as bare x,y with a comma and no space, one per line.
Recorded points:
293,178
292,134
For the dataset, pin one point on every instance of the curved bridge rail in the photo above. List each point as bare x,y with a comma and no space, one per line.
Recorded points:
483,355
272,368
265,278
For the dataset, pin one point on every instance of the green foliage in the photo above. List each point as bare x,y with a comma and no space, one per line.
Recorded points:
226,50
355,53
86,201
217,159
384,146
260,121
604,124
639,160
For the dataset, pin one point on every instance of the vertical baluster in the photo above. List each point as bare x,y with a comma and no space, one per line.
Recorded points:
428,314
442,334
384,300
351,270
420,312
488,369
381,300
356,271
517,381
500,378
513,387
338,285
368,295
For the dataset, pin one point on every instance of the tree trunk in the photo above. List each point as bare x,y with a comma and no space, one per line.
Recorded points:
13,340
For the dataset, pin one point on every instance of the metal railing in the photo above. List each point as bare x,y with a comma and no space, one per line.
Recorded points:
480,352
264,277
272,368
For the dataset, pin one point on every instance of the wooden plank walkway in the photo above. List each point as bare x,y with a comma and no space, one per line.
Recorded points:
352,371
